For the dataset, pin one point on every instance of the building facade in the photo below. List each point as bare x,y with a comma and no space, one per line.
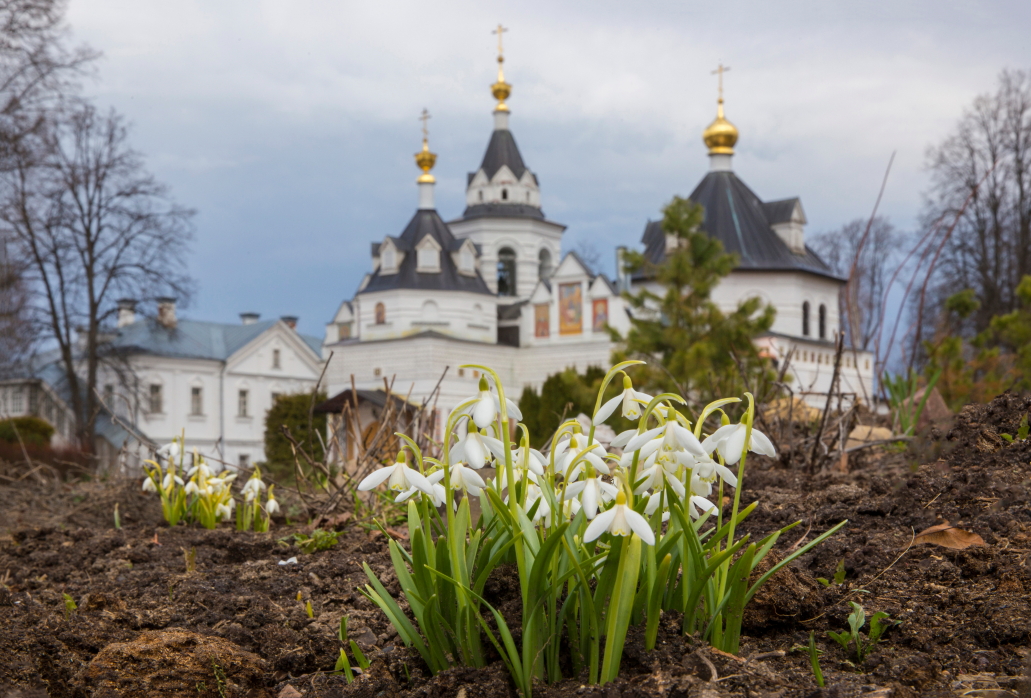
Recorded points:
492,286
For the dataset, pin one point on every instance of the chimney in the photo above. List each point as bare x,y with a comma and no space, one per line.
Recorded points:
126,311
166,312
249,318
290,320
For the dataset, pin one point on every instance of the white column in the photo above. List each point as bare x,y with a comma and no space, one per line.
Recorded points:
426,195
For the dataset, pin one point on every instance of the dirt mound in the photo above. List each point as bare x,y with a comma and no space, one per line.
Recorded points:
174,663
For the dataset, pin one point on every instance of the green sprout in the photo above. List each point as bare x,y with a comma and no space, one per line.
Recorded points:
879,622
318,540
839,576
69,606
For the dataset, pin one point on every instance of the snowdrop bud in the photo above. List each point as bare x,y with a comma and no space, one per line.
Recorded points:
148,485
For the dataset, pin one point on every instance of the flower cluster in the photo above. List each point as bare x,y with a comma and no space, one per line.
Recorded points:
198,494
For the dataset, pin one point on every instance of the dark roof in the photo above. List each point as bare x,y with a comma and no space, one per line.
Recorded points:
740,220
195,339
497,210
502,150
335,404
426,222
510,311
780,211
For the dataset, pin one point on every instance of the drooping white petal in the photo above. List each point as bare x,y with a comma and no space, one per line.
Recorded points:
639,525
513,410
688,440
495,446
376,478
475,453
734,445
714,439
622,439
606,410
641,439
761,444
589,499
484,410
600,524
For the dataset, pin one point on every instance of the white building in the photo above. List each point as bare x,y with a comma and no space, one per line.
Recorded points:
486,288
212,381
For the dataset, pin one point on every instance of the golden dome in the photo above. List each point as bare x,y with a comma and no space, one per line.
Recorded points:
425,160
501,89
721,135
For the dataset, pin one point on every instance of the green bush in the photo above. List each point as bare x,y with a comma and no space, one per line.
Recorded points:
32,430
292,411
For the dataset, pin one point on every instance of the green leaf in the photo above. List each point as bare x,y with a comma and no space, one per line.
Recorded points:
359,656
823,581
618,617
343,666
841,638
839,573
856,620
877,627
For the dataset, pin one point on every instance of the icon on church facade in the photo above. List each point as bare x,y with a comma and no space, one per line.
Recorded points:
570,309
541,320
600,314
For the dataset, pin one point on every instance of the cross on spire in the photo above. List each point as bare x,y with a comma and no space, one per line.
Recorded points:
424,118
499,31
720,71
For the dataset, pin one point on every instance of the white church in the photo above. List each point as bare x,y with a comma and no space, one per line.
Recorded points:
492,286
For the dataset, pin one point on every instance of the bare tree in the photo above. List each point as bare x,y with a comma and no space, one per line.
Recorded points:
871,262
15,325
982,174
94,226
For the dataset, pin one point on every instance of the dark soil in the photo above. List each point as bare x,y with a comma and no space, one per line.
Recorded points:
233,626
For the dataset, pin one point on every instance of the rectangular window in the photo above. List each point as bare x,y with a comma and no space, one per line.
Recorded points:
17,400
196,401
541,320
242,404
245,460
275,396
600,314
275,358
570,309
109,396
156,404
344,330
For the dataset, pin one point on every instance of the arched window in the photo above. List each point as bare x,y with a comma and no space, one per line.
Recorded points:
506,272
381,314
504,194
823,321
481,196
430,312
544,268
805,319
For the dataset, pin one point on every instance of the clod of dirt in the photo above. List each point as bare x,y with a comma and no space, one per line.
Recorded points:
174,663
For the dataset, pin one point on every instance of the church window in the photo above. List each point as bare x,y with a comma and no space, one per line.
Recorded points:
344,330
196,401
805,319
430,311
481,196
504,194
527,197
275,358
544,266
381,314
389,259
428,259
241,403
156,406
506,272
823,321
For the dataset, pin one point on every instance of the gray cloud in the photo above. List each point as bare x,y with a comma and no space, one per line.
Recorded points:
290,126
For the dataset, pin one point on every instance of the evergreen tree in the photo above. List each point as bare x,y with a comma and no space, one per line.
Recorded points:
292,411
683,329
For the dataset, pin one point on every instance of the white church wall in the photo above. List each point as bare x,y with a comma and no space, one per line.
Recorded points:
525,236
787,291
471,316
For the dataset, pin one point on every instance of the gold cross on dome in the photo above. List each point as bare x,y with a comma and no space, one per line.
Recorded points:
720,71
424,118
499,31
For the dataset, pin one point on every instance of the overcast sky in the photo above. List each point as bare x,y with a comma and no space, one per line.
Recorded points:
290,126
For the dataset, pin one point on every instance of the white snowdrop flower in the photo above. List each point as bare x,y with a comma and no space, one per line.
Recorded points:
533,494
620,520
707,470
476,449
169,479
191,488
148,484
518,474
696,503
466,479
569,450
592,493
252,488
671,436
484,410
437,494
271,505
169,451
529,458
400,477
623,438
655,500
631,401
653,477
730,440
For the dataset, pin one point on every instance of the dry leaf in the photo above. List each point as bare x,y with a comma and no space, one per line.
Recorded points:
948,537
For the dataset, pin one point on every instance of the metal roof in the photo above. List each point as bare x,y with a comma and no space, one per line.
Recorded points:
426,222
740,220
195,339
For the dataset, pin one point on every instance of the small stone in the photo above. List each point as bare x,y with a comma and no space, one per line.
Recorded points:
289,691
